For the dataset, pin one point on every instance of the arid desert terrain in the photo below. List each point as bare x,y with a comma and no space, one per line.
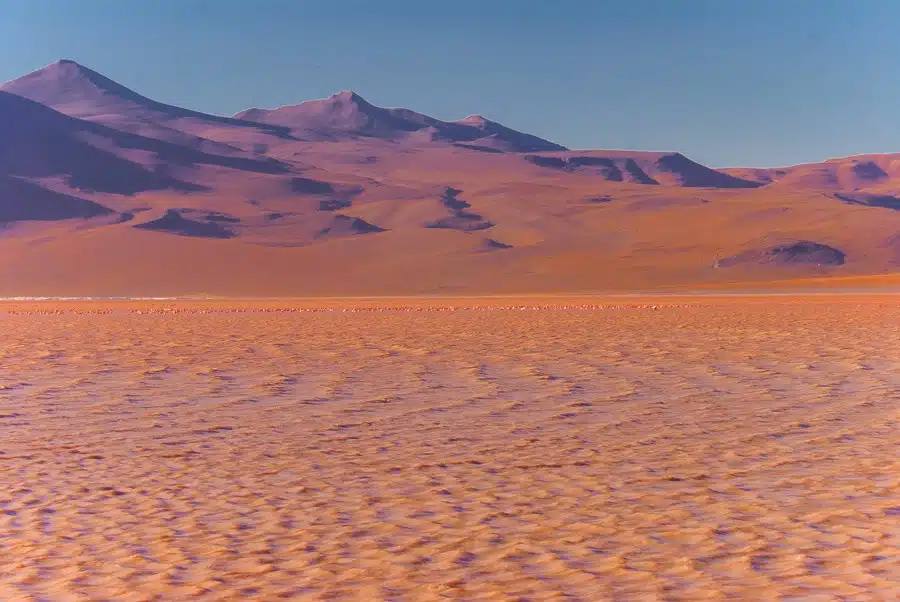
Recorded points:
583,448
346,446
105,192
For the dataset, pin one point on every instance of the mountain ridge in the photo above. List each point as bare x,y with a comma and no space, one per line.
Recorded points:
348,114
73,76
340,196
81,92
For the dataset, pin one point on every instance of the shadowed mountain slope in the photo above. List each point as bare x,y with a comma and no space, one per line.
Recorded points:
23,201
37,141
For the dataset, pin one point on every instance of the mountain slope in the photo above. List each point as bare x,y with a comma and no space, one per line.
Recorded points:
484,133
39,142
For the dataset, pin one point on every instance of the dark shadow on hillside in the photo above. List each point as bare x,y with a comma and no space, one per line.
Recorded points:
346,225
334,204
601,166
480,149
310,186
637,174
460,218
869,170
551,162
173,222
871,200
693,174
23,201
36,141
492,245
799,253
221,217
606,167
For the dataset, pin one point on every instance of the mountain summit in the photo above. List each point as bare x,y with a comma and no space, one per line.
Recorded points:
74,89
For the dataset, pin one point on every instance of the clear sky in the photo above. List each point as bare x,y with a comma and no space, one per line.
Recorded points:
727,82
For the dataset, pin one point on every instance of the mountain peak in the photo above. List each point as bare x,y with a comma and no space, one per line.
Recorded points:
65,81
348,95
475,120
346,100
68,67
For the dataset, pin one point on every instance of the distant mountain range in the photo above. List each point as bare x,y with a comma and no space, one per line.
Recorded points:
105,191
347,115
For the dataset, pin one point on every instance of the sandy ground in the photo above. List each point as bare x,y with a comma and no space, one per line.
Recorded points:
696,448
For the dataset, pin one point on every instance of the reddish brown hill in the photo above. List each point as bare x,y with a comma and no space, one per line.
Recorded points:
868,173
339,197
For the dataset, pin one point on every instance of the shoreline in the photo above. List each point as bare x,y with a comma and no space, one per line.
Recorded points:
545,303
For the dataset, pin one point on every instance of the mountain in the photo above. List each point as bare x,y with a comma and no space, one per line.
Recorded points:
871,173
484,133
106,192
37,142
347,115
80,92
642,168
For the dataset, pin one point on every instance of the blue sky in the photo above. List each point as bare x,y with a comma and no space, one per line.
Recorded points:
727,82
